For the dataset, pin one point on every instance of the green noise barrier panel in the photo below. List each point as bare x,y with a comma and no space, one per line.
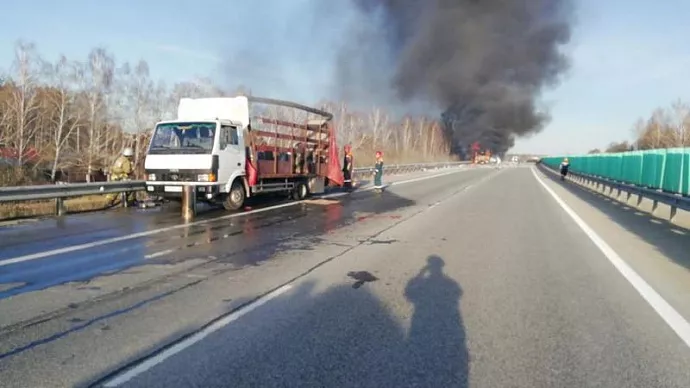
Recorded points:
662,169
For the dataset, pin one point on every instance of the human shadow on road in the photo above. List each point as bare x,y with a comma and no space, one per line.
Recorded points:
337,337
436,338
658,232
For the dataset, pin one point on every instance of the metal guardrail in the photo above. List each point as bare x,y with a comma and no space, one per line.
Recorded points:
61,191
404,168
39,192
674,201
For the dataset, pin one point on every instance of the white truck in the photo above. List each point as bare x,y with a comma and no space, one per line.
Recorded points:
228,154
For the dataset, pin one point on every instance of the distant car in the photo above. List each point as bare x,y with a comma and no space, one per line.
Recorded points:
515,159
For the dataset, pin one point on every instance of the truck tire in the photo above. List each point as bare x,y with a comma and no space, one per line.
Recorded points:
236,197
300,192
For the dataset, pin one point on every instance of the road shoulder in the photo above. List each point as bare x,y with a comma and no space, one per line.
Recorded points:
657,250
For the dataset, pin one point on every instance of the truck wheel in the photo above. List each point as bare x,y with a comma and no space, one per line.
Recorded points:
301,191
235,198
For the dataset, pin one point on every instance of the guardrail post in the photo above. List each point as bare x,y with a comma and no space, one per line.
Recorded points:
123,199
60,209
188,202
655,205
674,211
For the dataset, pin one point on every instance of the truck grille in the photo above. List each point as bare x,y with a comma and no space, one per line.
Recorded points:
178,177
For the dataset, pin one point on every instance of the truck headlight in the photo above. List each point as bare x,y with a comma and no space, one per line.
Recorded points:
206,178
152,177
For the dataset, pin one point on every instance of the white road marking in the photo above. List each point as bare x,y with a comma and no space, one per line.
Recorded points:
159,253
663,308
93,244
186,343
370,188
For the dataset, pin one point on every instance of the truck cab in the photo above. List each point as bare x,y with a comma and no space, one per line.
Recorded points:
204,147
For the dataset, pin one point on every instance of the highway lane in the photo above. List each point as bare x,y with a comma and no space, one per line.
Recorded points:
55,233
53,328
488,287
513,294
35,236
50,260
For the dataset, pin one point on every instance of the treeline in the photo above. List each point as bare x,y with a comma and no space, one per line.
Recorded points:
665,128
73,117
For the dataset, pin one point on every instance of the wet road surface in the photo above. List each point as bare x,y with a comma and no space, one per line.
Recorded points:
471,279
39,255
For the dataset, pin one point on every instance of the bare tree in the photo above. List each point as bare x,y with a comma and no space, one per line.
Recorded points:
407,134
638,131
377,122
423,136
680,113
618,147
93,108
23,106
139,95
658,132
5,114
65,115
98,75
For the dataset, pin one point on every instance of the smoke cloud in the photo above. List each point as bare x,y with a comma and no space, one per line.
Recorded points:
482,63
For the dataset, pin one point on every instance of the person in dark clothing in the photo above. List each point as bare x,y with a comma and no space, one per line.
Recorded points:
348,165
565,165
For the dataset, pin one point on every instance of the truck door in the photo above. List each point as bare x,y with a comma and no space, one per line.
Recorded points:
231,158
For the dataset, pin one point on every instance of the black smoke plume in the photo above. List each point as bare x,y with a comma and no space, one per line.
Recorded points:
483,63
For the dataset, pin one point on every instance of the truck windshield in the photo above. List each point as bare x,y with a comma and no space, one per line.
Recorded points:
183,138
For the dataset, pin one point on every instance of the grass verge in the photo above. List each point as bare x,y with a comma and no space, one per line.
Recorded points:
30,209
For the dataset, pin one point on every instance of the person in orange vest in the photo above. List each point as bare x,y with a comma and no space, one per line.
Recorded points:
348,165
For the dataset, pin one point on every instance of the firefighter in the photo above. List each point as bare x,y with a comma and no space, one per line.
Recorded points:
347,167
299,158
378,172
122,170
565,165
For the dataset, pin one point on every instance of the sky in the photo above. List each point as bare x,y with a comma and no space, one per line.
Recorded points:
628,57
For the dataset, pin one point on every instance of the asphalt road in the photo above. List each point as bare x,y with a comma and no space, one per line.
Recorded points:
38,255
476,278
